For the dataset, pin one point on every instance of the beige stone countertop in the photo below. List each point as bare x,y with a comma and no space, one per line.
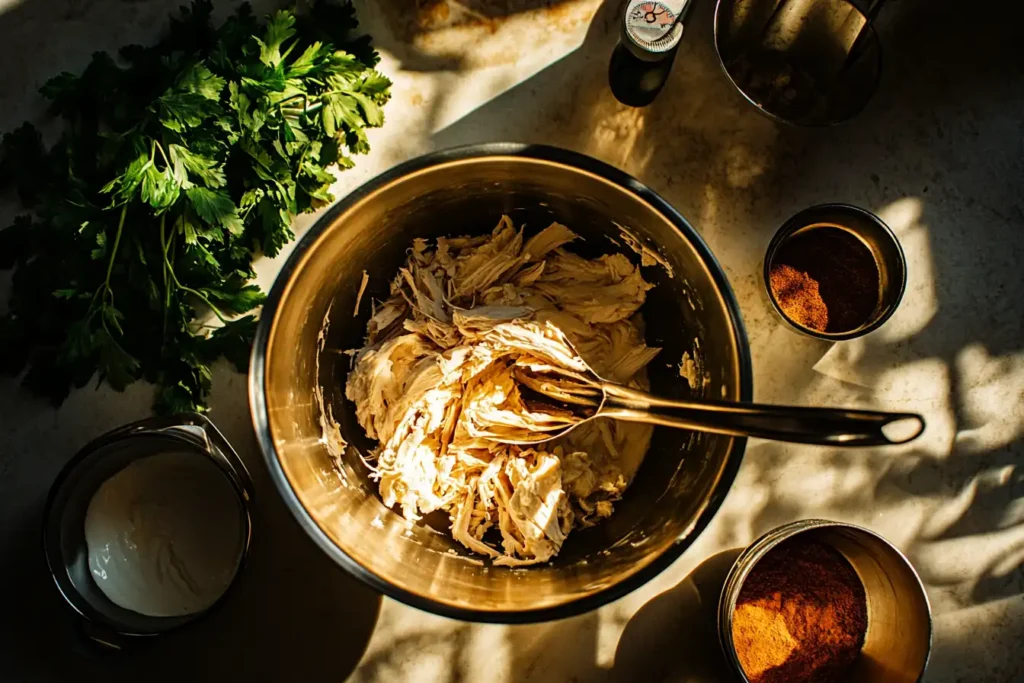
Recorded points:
938,154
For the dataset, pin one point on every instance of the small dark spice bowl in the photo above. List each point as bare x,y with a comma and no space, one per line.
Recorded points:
835,272
816,601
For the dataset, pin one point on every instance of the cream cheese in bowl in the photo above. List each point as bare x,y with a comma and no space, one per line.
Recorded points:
165,534
147,527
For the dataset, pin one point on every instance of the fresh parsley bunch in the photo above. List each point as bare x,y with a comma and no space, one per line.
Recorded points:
176,165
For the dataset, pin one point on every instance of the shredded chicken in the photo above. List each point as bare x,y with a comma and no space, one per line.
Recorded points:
441,377
362,290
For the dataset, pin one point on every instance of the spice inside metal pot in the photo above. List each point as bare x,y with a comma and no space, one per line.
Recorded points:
816,600
801,615
826,279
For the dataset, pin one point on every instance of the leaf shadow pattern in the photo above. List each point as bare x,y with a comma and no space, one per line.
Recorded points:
972,544
967,533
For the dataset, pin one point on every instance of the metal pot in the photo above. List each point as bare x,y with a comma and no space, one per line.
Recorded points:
804,62
899,635
464,191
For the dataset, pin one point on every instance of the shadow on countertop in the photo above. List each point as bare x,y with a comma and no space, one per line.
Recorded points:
294,614
674,637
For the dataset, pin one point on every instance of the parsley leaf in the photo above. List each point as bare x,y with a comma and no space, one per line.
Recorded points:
215,207
188,164
240,300
180,111
279,29
203,82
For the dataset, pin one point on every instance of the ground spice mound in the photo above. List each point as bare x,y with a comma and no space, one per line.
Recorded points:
826,279
801,615
798,295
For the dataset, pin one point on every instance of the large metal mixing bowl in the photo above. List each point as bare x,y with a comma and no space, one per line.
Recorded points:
678,488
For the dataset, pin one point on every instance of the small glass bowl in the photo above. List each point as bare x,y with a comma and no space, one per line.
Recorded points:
101,622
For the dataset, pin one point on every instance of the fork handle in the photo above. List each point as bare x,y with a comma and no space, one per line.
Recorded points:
797,424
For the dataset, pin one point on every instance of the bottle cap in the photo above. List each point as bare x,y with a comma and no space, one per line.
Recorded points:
654,28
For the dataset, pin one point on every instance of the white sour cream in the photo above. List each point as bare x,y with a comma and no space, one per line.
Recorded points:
165,534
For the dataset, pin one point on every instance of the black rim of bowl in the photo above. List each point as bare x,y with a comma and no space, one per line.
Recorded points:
798,221
258,406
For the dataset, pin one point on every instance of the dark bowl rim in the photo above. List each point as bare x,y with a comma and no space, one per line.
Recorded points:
257,378
794,223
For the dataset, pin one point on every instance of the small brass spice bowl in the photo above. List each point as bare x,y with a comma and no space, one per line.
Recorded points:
899,622
871,232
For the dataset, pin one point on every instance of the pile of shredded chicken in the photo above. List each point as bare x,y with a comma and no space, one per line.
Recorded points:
439,377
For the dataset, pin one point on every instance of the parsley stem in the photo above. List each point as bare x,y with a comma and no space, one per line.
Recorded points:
167,288
170,270
167,164
298,96
216,311
164,245
302,159
105,289
117,242
308,108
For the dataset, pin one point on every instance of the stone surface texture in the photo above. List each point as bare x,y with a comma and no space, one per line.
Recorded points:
938,153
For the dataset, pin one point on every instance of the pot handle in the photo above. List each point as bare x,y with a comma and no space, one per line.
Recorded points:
796,424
